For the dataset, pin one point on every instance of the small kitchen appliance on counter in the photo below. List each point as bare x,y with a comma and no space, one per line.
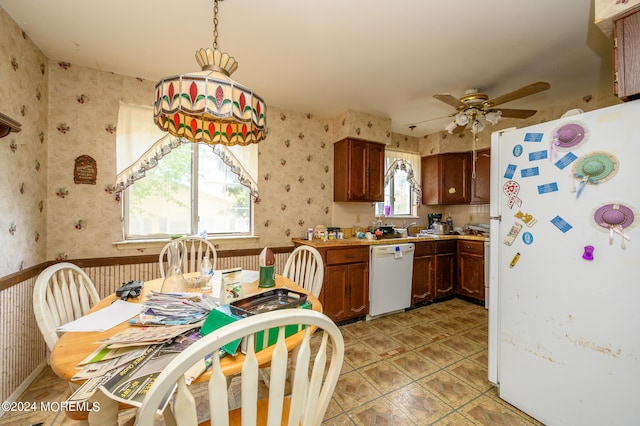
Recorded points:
479,228
439,228
433,217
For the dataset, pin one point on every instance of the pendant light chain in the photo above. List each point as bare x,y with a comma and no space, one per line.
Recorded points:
213,108
215,24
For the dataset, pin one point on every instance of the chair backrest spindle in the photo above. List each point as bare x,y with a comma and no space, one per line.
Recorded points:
62,293
310,396
304,266
193,251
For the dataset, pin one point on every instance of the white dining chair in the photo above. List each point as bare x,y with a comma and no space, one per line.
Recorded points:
191,250
304,266
62,293
310,394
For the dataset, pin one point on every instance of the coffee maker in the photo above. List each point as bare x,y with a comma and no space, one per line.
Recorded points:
434,217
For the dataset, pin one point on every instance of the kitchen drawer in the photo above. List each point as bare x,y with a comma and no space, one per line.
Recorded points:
425,248
471,247
347,255
445,246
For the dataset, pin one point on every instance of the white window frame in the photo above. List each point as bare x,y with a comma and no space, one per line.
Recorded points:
390,157
140,145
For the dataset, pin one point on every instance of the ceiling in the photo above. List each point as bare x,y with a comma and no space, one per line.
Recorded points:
325,57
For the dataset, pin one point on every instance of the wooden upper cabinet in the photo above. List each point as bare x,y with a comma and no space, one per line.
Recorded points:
480,185
446,178
626,55
358,170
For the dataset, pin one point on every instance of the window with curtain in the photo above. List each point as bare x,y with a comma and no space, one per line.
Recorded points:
170,186
402,188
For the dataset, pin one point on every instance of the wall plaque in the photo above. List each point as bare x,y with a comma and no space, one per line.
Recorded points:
85,170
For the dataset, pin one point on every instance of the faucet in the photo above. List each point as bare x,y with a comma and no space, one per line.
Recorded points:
409,226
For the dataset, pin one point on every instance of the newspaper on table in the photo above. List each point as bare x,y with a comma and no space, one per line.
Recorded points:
174,308
130,382
143,336
100,368
104,353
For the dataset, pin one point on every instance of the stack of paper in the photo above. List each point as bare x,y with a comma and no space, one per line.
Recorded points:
133,359
174,308
143,336
103,319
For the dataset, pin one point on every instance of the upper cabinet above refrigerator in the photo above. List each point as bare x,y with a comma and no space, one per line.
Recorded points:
626,56
450,178
445,179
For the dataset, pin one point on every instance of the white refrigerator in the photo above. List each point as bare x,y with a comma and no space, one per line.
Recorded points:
564,307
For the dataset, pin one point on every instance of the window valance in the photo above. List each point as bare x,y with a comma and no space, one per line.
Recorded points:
140,145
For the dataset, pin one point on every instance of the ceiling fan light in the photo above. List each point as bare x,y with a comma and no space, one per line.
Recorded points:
461,119
451,127
493,117
477,126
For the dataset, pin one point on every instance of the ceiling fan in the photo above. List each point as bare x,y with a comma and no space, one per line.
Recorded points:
475,107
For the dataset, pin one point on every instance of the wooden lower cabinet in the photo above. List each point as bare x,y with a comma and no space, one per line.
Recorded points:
470,282
433,271
422,287
345,290
445,264
423,284
346,294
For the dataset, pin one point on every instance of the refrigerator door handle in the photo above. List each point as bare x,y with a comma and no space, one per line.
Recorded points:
499,217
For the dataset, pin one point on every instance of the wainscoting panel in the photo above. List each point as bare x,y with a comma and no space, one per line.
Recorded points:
22,347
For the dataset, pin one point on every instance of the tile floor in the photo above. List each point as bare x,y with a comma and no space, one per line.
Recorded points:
426,366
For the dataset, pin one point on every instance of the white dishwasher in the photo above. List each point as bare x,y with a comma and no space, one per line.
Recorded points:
390,273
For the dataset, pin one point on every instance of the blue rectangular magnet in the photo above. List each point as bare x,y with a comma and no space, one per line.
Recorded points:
532,171
561,224
538,155
566,160
547,187
533,137
511,169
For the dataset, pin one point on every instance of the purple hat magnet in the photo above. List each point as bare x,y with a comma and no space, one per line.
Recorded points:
568,136
615,218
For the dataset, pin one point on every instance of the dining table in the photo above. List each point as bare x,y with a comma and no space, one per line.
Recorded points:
73,347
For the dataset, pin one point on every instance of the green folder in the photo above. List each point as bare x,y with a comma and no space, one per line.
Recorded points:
216,319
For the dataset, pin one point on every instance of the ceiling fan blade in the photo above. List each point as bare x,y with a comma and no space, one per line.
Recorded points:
515,113
451,100
517,94
430,119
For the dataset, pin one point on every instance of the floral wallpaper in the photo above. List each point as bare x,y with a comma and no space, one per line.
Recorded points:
363,126
84,219
23,155
295,176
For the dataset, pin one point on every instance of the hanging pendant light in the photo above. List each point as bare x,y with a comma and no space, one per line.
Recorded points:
208,106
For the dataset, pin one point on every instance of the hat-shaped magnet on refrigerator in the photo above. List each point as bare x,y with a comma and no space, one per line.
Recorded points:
568,136
593,168
615,218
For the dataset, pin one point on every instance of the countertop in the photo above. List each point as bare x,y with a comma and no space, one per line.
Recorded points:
318,243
